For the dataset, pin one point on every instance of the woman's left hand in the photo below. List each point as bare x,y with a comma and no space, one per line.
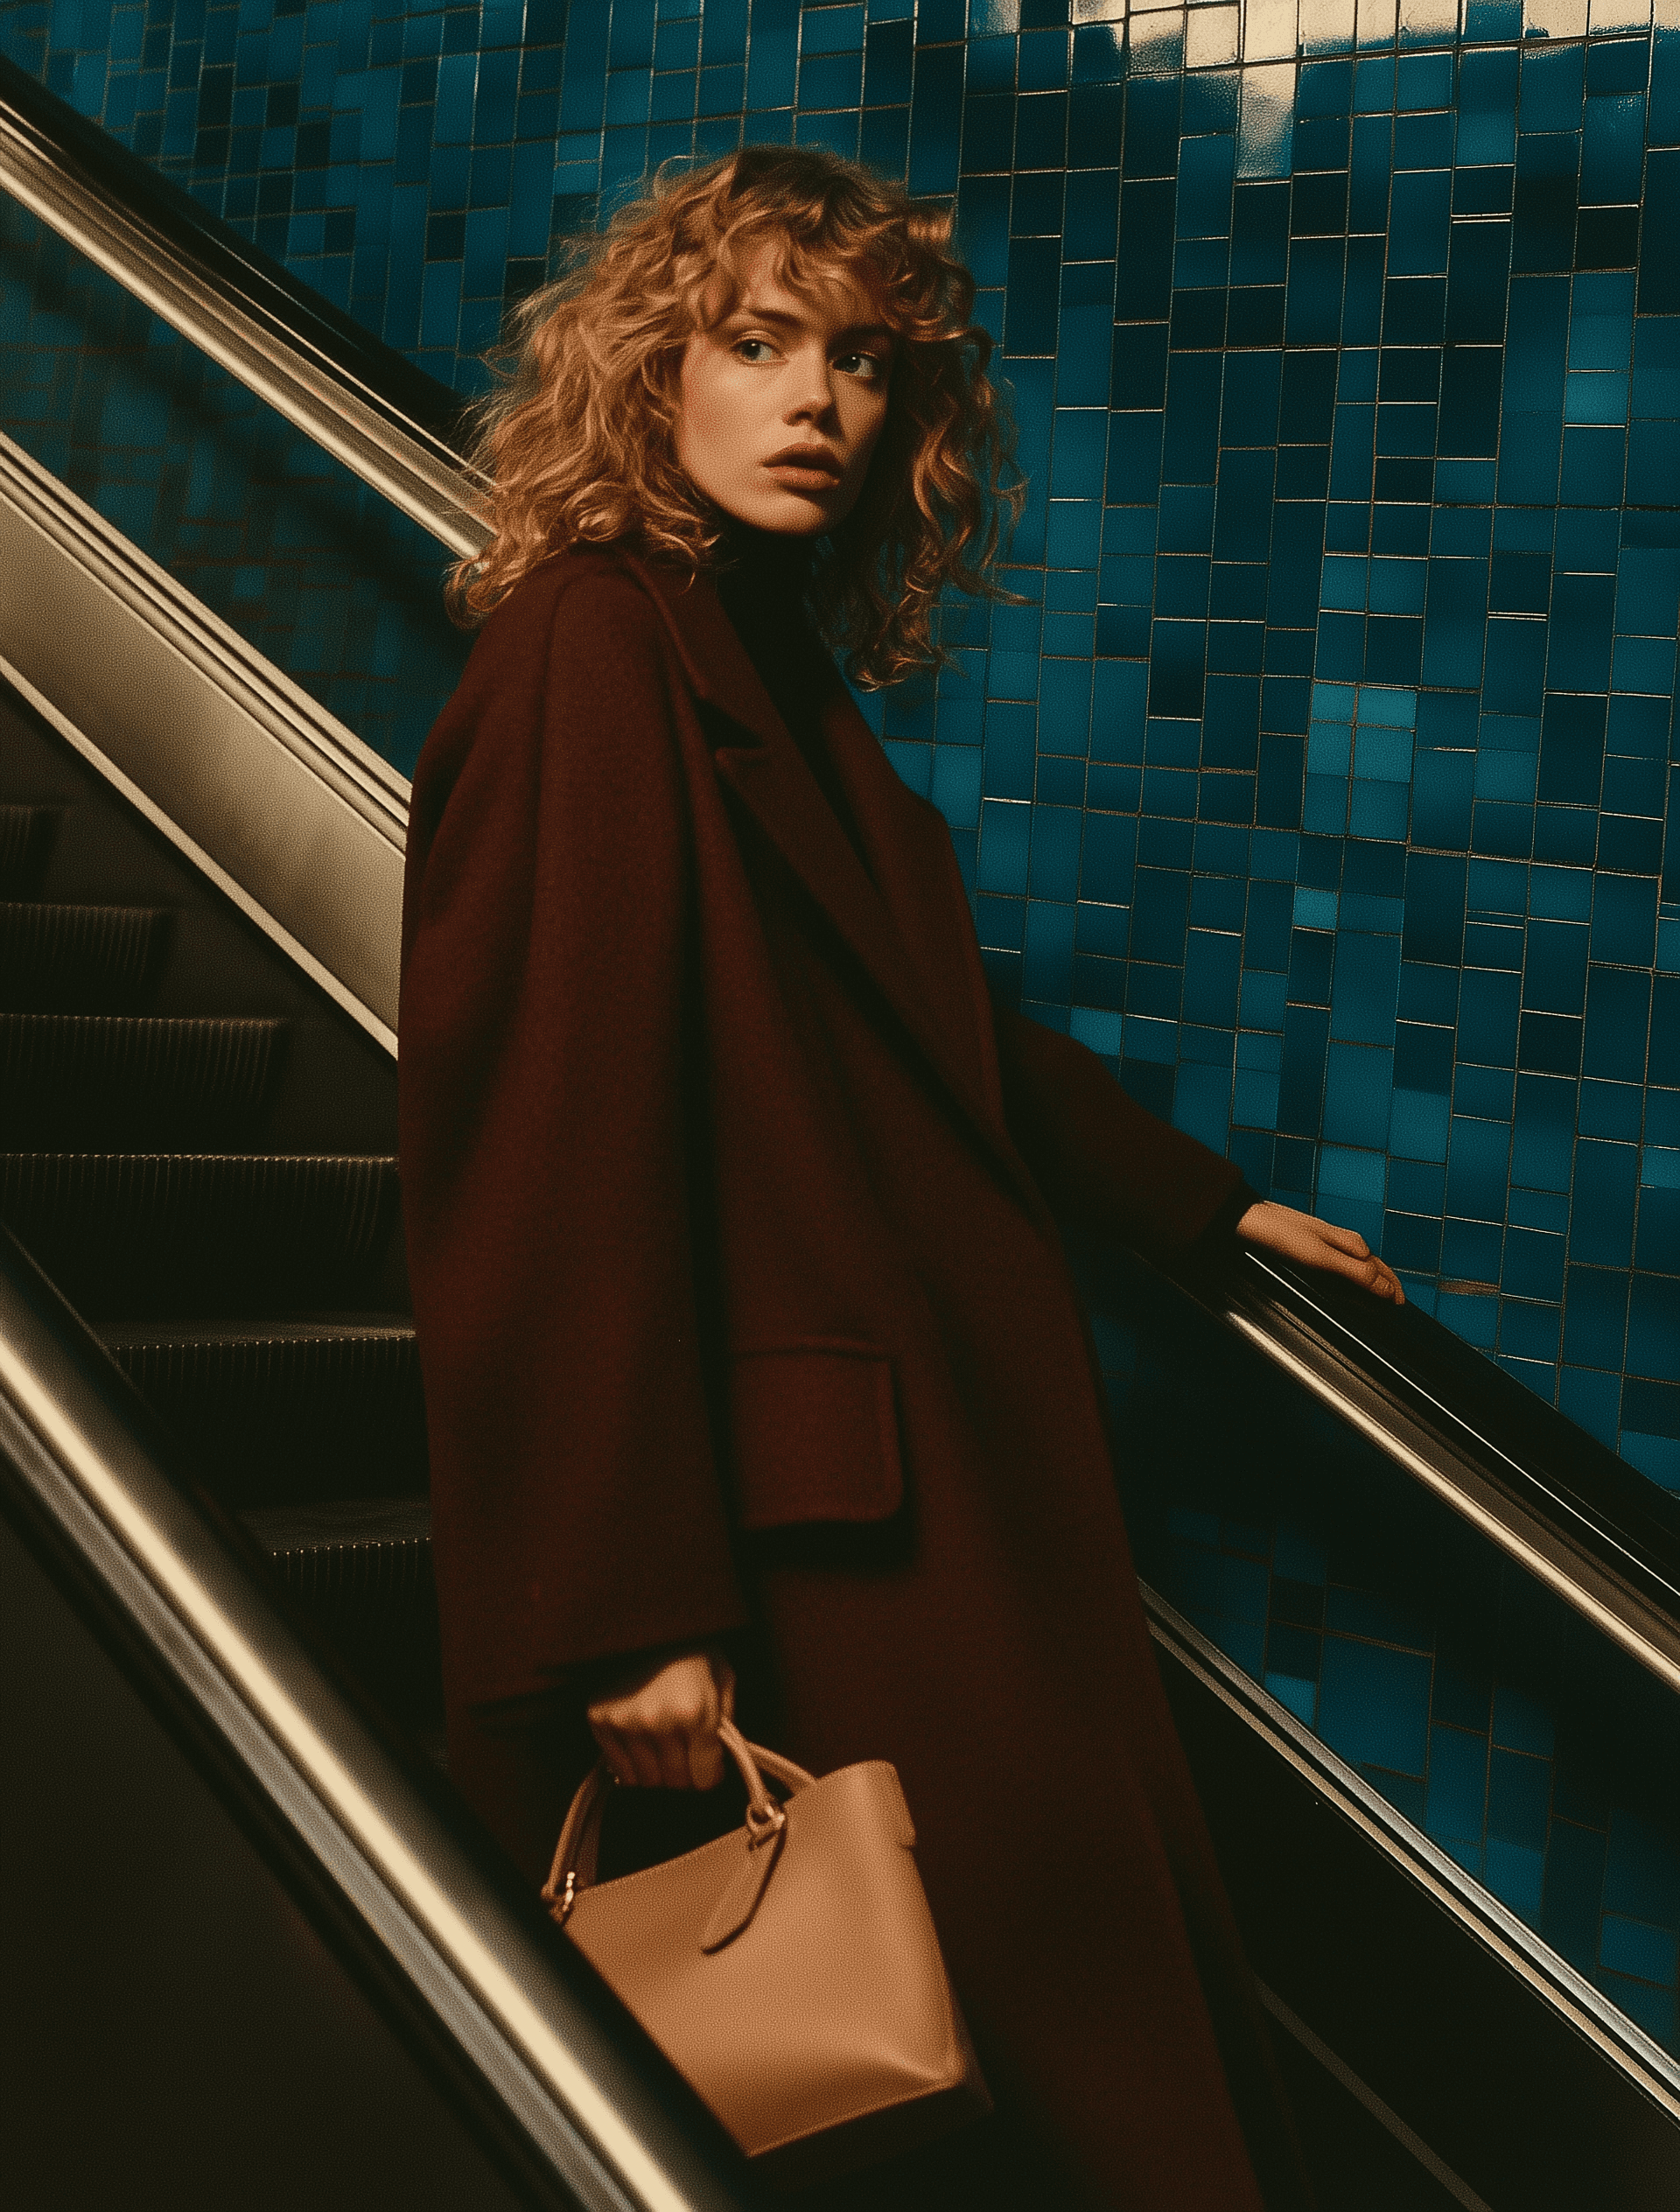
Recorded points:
1312,1242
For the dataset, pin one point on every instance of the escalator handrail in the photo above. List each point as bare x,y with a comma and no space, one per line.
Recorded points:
390,423
1582,1521
1604,1536
584,2100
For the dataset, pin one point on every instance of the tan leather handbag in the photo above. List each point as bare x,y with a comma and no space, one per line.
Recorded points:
790,1970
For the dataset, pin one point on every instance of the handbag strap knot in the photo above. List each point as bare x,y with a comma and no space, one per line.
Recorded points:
761,1826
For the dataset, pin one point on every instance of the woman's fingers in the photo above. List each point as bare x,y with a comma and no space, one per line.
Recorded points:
669,1744
705,1752
1345,1240
624,1755
1370,1273
648,1757
1303,1236
673,1754
663,1732
705,1761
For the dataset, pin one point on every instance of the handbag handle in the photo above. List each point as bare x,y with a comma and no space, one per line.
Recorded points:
575,1852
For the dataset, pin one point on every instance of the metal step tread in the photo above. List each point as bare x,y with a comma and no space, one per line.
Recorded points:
127,1338
340,1524
189,1363
361,1565
79,959
297,1409
308,1329
108,1074
128,1234
26,835
150,1180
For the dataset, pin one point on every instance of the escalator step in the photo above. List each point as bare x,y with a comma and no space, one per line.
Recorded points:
135,1234
361,1557
26,835
362,1567
79,960
298,1411
105,1079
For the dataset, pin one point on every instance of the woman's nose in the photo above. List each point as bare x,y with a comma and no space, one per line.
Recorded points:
813,397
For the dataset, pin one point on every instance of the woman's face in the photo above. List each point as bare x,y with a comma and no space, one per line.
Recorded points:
781,401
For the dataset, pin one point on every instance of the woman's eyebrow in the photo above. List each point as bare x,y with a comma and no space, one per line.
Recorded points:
748,312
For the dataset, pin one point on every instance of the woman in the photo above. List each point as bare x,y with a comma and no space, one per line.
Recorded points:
750,1352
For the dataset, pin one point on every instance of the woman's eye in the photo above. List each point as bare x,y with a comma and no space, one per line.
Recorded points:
869,368
753,349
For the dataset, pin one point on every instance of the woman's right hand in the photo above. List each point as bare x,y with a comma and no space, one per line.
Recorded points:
659,1728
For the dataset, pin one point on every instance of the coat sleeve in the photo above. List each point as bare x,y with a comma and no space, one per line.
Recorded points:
546,1084
1097,1153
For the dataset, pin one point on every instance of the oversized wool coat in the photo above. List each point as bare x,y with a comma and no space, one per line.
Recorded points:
730,1191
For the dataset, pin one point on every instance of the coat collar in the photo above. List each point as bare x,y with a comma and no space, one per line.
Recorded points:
768,773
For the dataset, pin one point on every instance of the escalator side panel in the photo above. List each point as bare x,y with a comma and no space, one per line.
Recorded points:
178,2037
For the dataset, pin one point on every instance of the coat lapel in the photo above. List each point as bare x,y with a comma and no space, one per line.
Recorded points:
769,775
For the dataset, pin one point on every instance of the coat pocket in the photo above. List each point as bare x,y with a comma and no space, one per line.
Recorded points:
816,1434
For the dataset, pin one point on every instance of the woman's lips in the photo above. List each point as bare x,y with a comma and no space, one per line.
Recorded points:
803,475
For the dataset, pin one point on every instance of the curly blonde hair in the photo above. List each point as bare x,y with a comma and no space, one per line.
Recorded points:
578,442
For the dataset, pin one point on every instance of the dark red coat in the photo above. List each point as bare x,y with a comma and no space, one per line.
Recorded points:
728,1194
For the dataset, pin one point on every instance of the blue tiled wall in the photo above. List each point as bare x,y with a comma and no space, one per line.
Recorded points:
1322,784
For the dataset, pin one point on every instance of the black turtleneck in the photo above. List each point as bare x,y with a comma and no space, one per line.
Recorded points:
762,582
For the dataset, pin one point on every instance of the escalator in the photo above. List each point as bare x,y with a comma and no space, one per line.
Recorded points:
1371,1560
199,1153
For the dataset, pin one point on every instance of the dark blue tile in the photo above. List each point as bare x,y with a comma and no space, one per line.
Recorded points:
1456,1795
1374,1705
1605,1183
1642,1878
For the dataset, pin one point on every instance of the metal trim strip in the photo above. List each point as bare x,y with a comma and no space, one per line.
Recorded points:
1619,1613
1459,1428
1361,2090
285,809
